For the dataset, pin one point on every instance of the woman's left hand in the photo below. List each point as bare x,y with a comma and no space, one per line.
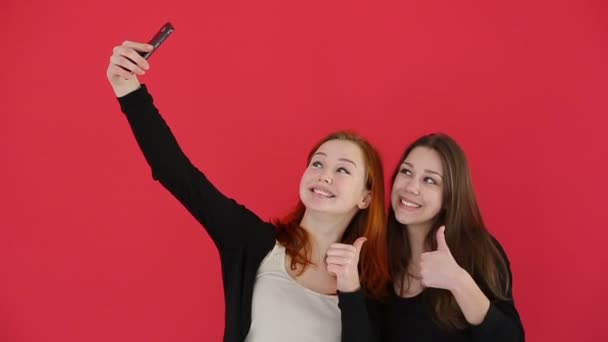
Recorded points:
342,261
439,269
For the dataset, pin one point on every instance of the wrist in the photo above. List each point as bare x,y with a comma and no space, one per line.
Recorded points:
460,281
124,90
350,286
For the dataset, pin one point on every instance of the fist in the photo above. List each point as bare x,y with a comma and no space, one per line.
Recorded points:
125,64
342,261
438,268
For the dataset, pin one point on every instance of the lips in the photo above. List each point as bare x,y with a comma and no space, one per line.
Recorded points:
320,191
409,203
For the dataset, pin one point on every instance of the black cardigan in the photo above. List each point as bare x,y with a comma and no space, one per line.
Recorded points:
241,237
410,319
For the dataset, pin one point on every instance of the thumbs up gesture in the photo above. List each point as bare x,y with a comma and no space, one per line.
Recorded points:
438,269
342,260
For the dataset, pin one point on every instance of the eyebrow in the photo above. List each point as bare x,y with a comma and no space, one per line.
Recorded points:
426,170
340,159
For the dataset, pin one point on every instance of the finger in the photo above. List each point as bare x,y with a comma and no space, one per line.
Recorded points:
115,70
426,255
351,253
342,246
133,55
334,260
359,244
126,64
142,47
425,269
333,270
426,259
425,282
441,243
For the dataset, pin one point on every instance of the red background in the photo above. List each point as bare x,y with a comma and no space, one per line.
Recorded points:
91,249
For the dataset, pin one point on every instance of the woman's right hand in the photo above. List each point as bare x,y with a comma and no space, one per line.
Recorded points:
125,64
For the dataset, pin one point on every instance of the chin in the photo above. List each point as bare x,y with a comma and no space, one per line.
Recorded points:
314,205
407,220
401,218
324,209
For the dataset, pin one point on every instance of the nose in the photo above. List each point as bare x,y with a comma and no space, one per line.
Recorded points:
325,178
412,187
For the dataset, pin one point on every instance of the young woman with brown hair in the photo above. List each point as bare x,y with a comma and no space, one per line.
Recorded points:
451,278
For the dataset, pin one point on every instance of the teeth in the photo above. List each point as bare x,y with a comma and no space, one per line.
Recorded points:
322,193
410,204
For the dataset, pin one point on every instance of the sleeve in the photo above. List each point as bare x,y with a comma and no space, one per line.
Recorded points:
226,221
502,322
361,317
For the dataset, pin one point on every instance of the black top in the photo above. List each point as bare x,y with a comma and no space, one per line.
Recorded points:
242,238
410,319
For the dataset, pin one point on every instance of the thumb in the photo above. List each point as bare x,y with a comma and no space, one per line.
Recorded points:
441,244
359,244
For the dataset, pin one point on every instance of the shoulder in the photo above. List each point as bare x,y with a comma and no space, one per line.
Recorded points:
502,254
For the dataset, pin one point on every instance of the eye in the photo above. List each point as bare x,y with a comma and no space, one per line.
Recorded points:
316,164
406,171
429,180
343,170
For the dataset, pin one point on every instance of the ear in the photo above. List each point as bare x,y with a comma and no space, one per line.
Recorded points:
366,200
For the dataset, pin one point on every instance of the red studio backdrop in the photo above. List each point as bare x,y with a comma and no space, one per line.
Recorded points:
92,249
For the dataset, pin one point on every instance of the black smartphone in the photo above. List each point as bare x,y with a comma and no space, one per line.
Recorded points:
158,39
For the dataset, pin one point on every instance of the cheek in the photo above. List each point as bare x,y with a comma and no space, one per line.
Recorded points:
437,197
308,174
401,181
396,188
305,179
352,187
394,198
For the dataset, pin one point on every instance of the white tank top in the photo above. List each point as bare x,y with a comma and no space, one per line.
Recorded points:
285,311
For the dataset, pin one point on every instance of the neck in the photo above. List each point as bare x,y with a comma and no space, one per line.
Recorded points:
417,236
323,230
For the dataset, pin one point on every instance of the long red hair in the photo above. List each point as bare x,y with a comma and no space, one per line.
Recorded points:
369,222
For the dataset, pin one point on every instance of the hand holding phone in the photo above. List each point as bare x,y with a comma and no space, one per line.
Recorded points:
129,60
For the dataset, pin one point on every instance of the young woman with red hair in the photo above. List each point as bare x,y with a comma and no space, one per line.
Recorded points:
296,279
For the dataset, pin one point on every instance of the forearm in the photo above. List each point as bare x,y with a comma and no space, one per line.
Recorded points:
472,301
153,136
221,216
356,321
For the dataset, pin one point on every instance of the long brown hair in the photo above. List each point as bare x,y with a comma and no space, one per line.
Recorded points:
369,222
471,244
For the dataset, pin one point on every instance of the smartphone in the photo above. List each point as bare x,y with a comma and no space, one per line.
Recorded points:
158,39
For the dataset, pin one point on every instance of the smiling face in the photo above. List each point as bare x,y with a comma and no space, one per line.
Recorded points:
334,181
417,192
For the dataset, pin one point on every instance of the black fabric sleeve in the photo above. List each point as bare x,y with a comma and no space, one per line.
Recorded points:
361,317
502,322
226,221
